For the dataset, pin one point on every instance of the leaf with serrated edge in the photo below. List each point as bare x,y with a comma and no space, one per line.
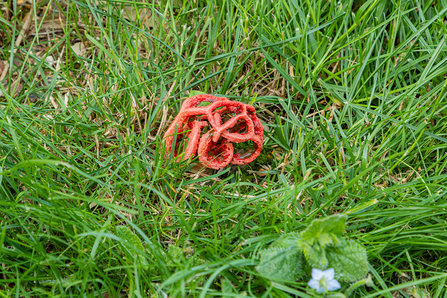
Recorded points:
283,260
281,264
349,260
325,230
286,240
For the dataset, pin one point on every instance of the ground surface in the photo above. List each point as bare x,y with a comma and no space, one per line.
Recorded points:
352,96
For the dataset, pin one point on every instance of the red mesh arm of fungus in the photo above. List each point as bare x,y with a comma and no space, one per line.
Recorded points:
215,155
215,148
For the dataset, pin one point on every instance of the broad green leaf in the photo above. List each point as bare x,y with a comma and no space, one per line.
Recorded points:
286,240
325,239
325,231
132,244
175,254
283,260
227,286
349,260
315,255
284,264
229,289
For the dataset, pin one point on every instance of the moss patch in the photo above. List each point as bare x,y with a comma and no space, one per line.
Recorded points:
265,158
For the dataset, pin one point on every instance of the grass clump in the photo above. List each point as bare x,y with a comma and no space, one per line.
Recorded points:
352,95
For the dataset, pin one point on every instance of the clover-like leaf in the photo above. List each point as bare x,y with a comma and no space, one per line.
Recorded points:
283,260
132,244
349,260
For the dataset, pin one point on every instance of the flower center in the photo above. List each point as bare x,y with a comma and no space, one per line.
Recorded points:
323,282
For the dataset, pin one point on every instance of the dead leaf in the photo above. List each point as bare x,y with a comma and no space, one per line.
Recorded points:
32,97
278,153
50,26
265,126
25,28
16,87
67,98
416,292
50,60
144,14
79,48
134,15
263,171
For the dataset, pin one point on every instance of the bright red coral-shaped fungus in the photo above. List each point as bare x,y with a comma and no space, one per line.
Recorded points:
222,123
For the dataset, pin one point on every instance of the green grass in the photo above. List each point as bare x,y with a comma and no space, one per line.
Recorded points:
353,97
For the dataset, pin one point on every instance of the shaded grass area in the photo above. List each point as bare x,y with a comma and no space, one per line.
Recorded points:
352,98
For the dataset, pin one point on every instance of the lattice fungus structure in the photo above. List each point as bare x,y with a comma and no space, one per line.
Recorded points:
211,130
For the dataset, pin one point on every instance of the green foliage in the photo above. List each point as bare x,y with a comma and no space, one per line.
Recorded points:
176,255
132,245
319,234
283,260
322,245
265,158
325,231
348,259
353,97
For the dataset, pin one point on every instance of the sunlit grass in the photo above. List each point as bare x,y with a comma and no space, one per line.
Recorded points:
353,102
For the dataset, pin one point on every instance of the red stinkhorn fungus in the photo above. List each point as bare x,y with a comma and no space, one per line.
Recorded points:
227,121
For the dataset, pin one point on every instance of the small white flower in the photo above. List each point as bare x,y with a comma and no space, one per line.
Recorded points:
323,281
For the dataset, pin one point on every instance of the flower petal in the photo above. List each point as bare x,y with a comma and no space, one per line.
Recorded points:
333,285
314,284
321,290
329,274
317,273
